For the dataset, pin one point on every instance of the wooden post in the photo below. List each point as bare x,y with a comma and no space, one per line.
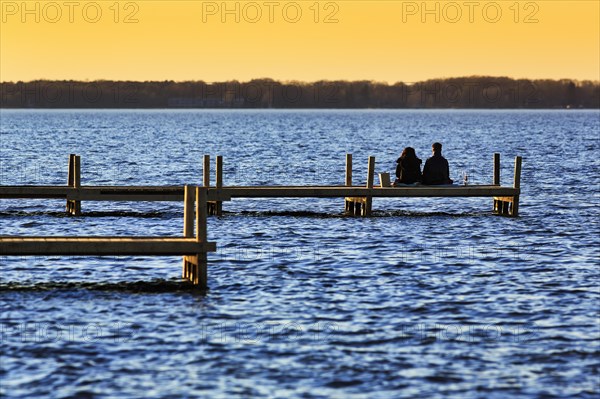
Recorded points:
206,171
496,178
201,277
70,179
77,183
188,225
348,205
74,180
366,211
206,182
348,169
496,181
77,172
70,173
516,184
219,183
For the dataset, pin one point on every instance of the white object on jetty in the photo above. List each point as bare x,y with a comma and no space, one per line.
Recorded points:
384,180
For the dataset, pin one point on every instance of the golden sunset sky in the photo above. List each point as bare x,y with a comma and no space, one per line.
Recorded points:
386,41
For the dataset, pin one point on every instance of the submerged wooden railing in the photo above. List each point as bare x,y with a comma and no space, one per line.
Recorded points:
193,247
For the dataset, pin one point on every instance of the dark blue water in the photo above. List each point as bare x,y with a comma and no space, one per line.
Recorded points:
431,298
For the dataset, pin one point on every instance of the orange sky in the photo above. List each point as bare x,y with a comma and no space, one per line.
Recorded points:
302,40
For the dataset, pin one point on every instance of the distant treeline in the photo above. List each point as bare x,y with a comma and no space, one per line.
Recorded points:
465,92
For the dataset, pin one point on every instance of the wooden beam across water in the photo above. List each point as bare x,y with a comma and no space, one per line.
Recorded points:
103,246
175,193
343,191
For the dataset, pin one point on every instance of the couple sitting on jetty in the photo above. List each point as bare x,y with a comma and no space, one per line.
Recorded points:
435,172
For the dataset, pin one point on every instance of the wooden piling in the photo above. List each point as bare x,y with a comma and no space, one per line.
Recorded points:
496,180
70,172
211,205
70,179
77,172
348,205
348,170
188,225
206,171
218,207
195,266
496,177
74,180
201,277
366,211
516,184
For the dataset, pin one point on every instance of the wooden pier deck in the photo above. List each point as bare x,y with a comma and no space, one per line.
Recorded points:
175,194
96,193
226,193
101,246
194,246
358,199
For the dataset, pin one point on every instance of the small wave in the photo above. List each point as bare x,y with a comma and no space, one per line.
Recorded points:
405,213
306,214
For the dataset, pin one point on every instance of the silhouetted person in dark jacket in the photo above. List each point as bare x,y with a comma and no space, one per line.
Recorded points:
436,170
408,170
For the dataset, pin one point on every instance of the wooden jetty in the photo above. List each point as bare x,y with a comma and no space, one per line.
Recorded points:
358,199
193,247
201,201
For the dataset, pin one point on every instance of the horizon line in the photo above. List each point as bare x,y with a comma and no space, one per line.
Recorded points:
309,81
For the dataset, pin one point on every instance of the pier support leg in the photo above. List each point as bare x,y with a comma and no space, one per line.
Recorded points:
201,275
195,266
74,180
348,204
218,211
368,205
214,208
507,206
188,227
359,206
496,182
514,211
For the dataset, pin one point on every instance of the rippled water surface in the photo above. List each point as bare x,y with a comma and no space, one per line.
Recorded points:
430,298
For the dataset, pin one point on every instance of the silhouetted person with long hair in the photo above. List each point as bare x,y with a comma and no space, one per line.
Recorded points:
408,170
436,170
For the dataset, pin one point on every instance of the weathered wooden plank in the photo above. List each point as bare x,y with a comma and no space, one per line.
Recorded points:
218,205
188,212
200,266
102,246
206,171
104,193
96,193
514,210
348,181
496,175
34,191
201,214
368,204
386,192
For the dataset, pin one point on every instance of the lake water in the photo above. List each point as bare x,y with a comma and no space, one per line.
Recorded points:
430,298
